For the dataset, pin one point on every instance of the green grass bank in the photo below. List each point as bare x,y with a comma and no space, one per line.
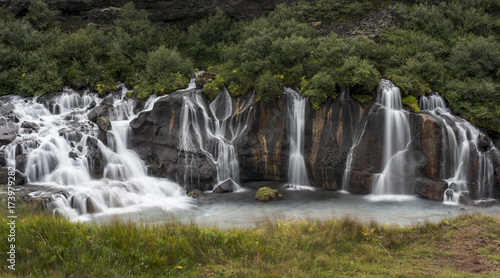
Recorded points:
467,246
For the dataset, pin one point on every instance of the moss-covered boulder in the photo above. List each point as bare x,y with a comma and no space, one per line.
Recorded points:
266,194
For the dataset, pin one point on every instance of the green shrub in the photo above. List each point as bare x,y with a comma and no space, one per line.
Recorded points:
212,89
268,87
207,38
475,57
166,71
411,102
41,16
358,74
319,88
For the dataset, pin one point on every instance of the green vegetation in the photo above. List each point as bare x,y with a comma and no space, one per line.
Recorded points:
52,247
265,194
447,46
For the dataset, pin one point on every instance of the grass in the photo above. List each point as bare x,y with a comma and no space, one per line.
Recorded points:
53,247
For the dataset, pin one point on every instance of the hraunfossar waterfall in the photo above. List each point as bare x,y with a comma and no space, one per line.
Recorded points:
93,158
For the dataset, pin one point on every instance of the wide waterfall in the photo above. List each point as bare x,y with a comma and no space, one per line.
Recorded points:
396,129
461,149
63,152
214,132
297,173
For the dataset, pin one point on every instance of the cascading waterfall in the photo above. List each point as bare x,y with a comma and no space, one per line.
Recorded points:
212,132
58,157
297,173
461,140
397,136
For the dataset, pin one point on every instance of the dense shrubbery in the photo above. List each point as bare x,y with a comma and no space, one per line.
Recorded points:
448,46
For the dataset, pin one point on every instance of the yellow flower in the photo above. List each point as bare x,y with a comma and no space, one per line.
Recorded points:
178,267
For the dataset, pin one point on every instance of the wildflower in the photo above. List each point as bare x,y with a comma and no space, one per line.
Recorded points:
178,267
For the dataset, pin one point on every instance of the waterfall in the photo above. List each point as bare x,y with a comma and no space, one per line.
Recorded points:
461,151
344,98
297,173
214,133
397,172
58,153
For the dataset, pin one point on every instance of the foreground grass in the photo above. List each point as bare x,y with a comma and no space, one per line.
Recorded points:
54,247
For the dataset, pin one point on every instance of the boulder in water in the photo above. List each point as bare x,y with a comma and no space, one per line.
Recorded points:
226,186
30,126
195,193
449,194
430,189
21,161
466,200
266,194
8,131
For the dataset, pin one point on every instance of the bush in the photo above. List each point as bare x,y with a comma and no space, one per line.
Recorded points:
166,71
475,57
41,16
319,88
207,37
358,74
411,102
268,87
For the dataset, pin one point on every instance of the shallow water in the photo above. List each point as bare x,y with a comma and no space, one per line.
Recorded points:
240,209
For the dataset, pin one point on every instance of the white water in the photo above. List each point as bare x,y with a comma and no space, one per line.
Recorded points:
297,173
460,142
395,176
57,159
212,132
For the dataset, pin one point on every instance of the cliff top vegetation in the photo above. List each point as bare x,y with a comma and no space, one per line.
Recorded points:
319,46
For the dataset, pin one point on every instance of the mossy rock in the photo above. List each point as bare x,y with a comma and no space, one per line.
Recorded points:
266,194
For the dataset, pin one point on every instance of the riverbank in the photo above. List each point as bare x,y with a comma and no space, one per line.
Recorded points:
54,247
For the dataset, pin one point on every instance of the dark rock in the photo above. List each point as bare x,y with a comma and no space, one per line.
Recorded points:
329,135
101,111
3,160
261,152
455,187
195,193
95,158
8,131
73,155
226,186
21,161
156,140
6,174
103,124
466,200
431,189
90,206
92,105
266,194
449,194
30,126
483,143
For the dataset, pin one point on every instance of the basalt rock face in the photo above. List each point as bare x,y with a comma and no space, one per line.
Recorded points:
333,128
8,127
156,136
180,12
262,153
264,147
